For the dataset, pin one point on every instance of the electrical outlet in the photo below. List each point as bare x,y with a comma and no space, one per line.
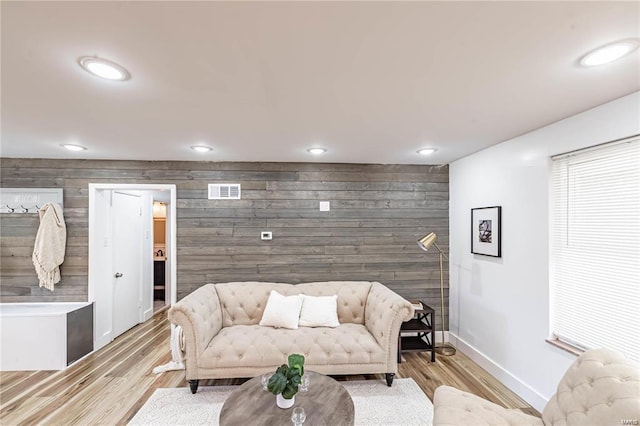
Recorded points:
265,235
325,206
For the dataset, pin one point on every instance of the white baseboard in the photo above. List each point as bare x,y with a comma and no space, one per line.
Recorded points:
516,385
147,314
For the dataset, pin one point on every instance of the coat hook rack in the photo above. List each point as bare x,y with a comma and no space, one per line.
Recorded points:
29,199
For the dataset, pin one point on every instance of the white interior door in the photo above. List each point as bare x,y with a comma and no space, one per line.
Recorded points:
127,260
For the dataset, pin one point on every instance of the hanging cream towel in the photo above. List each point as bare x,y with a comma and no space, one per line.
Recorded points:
51,240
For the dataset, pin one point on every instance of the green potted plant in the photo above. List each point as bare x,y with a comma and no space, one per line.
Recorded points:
285,381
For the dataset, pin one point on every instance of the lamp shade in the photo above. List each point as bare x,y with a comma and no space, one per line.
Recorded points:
427,241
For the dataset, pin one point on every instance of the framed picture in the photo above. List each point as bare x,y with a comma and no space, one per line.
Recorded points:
486,231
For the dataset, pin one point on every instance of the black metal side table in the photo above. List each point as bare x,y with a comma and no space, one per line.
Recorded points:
418,334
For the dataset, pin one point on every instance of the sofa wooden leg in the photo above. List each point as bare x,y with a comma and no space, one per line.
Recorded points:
389,377
193,385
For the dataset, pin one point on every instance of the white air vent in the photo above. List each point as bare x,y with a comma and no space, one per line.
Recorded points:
224,191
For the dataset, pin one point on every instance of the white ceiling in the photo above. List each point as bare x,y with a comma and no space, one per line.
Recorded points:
264,81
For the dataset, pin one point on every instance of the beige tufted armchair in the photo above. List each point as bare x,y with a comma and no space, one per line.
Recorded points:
600,388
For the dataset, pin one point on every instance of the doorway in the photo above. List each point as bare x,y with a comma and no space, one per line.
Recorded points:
160,264
122,255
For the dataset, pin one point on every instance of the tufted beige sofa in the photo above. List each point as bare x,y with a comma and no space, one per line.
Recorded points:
223,338
600,388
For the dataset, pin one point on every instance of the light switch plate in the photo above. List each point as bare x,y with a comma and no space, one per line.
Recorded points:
265,235
325,206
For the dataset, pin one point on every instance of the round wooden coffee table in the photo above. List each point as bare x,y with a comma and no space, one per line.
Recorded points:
326,403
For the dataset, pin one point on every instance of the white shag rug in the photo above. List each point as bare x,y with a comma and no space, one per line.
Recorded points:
375,403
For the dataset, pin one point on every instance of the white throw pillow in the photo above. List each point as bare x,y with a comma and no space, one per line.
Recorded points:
321,311
282,311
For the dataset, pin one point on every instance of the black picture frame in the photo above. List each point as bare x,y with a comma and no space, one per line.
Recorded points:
486,231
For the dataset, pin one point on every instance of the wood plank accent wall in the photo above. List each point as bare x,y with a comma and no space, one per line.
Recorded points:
377,214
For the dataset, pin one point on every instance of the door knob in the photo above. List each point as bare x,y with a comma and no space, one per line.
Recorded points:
118,274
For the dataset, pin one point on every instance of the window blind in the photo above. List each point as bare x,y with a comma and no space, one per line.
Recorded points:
595,247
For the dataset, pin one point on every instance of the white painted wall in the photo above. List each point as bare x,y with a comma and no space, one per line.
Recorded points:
499,307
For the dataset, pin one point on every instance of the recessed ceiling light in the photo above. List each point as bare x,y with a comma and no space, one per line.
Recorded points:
609,52
103,68
317,151
74,148
426,151
201,148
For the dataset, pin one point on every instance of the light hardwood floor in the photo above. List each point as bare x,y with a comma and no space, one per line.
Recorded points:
110,385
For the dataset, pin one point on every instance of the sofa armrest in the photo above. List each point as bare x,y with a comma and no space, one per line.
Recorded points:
453,407
200,316
384,313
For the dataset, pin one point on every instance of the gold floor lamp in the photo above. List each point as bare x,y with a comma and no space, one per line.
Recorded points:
425,243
